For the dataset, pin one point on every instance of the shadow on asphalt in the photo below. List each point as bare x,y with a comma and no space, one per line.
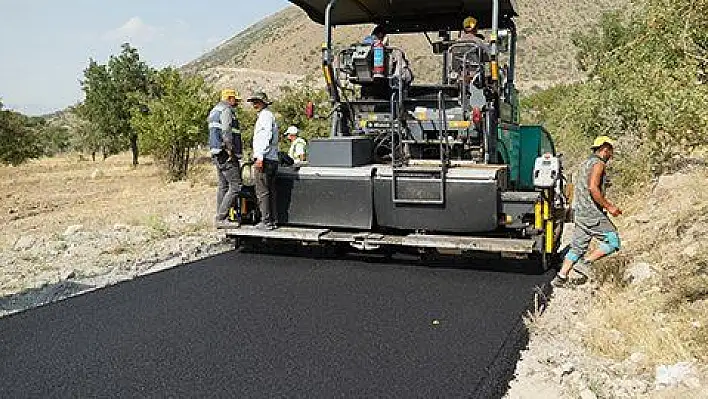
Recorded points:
405,256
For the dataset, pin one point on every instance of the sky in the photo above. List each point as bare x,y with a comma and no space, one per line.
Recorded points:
45,45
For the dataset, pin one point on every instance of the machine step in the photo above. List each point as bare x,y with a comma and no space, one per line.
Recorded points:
373,241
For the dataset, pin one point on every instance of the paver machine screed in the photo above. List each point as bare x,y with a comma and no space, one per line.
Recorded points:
435,167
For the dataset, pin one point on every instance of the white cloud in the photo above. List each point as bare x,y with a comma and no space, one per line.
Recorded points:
134,30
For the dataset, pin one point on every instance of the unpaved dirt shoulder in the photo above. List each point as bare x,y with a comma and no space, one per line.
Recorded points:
640,329
38,270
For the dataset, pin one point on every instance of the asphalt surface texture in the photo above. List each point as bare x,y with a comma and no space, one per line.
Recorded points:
265,325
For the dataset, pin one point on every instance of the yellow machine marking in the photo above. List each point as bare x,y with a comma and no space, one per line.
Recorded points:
538,223
459,124
549,236
549,223
543,220
328,77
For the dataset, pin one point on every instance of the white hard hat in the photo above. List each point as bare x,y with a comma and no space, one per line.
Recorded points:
291,130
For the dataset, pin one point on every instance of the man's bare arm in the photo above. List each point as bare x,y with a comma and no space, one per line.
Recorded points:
594,183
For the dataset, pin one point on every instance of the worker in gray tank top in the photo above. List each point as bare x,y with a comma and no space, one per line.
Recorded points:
590,209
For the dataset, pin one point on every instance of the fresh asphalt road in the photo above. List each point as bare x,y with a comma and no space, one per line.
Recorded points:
256,325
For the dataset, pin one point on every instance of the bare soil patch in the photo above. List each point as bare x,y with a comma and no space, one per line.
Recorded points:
94,223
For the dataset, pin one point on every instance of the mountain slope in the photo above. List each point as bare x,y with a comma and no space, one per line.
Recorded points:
288,42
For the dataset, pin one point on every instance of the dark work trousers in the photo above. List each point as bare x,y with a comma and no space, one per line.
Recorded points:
265,190
229,174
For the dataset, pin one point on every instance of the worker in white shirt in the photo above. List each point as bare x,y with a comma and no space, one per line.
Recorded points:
265,157
298,145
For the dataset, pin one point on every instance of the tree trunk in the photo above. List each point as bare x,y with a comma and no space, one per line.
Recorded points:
186,162
134,148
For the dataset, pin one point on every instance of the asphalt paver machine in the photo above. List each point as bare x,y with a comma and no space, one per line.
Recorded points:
433,167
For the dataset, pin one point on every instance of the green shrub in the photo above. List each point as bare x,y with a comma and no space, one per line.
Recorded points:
647,86
19,140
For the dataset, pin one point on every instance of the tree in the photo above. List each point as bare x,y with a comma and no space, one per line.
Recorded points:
647,85
55,139
175,122
290,107
112,91
86,135
18,138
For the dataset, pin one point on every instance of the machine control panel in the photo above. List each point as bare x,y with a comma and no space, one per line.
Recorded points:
546,171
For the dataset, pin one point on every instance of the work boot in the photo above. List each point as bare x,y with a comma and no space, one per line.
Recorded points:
227,224
560,282
583,267
265,226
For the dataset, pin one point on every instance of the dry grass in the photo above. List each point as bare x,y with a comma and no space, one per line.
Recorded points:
666,317
46,196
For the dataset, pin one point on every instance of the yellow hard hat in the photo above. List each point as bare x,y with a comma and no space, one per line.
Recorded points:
602,140
226,93
469,22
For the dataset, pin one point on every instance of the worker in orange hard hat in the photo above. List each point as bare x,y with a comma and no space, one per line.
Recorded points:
591,209
226,149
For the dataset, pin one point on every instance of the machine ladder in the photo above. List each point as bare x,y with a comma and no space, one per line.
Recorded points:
400,171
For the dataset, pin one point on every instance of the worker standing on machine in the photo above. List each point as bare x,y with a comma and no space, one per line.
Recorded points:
265,158
469,31
590,210
378,34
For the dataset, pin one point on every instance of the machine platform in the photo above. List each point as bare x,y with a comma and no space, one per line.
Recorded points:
373,241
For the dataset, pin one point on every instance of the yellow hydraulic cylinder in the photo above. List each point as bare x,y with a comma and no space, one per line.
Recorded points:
495,70
327,75
538,223
546,210
544,221
549,222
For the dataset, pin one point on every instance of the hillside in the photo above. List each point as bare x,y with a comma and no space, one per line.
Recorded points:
289,43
